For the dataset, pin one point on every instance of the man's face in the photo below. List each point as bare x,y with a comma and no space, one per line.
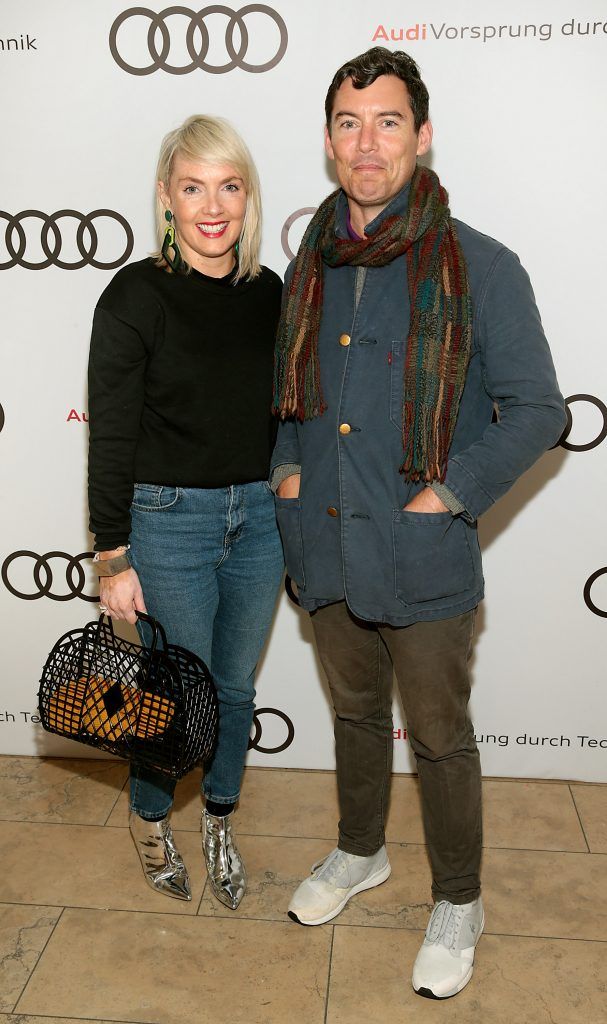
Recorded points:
374,143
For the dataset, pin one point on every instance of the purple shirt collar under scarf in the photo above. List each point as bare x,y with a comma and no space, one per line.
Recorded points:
350,229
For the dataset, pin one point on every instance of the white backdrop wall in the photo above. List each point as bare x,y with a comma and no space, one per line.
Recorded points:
517,99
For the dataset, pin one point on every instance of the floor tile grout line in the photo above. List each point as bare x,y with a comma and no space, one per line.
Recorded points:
329,974
106,910
115,804
547,938
200,901
579,818
38,958
321,839
93,1020
265,920
394,928
413,776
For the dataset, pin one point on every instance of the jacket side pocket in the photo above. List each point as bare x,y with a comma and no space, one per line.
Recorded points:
432,556
288,516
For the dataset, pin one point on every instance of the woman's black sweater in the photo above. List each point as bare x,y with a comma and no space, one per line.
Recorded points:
180,387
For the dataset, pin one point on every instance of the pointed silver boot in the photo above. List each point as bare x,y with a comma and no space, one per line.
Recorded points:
226,871
160,859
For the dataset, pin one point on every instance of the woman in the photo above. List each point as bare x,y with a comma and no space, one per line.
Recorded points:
180,381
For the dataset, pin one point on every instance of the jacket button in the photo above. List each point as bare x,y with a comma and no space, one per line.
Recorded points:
331,511
344,428
344,340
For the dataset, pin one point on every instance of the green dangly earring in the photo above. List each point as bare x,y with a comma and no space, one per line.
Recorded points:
174,261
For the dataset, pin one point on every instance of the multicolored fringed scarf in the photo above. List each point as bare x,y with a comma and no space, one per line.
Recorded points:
440,332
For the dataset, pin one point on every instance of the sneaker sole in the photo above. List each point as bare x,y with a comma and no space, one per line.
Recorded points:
369,883
429,994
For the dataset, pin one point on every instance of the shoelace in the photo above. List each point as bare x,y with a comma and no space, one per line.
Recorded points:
331,868
445,923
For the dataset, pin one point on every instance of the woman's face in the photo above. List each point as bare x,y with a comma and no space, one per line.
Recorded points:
208,203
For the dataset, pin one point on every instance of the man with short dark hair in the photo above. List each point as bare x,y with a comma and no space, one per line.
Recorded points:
402,330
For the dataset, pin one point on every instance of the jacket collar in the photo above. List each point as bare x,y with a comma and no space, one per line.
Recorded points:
396,207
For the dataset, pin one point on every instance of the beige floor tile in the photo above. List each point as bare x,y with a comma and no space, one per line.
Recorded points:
161,969
531,816
403,901
560,895
591,802
286,802
530,981
304,804
404,824
276,866
24,931
86,866
59,789
22,1018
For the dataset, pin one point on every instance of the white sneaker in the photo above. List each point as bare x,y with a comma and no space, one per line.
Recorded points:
444,963
333,881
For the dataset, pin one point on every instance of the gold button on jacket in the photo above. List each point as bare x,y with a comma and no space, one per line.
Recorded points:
332,511
344,340
344,428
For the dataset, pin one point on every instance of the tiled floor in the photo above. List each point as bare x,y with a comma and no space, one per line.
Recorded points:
82,938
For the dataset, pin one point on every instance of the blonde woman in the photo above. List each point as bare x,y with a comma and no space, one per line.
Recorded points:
180,384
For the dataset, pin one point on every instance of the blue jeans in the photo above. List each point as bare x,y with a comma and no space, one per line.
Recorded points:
210,563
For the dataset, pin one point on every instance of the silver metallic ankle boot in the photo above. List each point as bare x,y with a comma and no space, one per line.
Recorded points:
160,859
227,873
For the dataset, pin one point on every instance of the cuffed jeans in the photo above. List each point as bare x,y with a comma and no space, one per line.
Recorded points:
210,563
430,660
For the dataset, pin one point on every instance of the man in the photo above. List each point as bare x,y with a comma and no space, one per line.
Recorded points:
402,331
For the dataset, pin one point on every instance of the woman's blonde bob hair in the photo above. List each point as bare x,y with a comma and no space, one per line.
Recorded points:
214,140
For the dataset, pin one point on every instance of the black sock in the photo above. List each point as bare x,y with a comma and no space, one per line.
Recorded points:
219,810
159,818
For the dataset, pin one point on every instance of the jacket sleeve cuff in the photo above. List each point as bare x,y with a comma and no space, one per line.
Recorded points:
281,472
448,498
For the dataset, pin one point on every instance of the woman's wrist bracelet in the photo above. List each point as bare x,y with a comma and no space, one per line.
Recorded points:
112,566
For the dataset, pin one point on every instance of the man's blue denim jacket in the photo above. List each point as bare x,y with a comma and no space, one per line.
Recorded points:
347,536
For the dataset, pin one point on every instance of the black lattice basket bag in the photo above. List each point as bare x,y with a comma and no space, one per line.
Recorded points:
155,705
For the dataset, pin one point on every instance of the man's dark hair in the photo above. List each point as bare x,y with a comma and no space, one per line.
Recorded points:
379,61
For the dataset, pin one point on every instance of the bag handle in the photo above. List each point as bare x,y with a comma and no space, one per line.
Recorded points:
156,627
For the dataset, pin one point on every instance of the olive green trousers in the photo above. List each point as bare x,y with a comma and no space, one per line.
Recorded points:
430,662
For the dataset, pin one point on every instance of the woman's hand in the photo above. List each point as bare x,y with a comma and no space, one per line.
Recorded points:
122,595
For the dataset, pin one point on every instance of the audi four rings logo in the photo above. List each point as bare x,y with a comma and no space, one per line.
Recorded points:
87,240
43,578
254,742
588,587
304,211
198,39
600,437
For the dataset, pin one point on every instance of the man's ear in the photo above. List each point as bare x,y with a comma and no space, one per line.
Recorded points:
424,138
328,146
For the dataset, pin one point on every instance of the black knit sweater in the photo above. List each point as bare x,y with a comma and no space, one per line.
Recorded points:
180,387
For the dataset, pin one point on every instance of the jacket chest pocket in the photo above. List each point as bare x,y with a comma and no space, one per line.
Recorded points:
397,370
